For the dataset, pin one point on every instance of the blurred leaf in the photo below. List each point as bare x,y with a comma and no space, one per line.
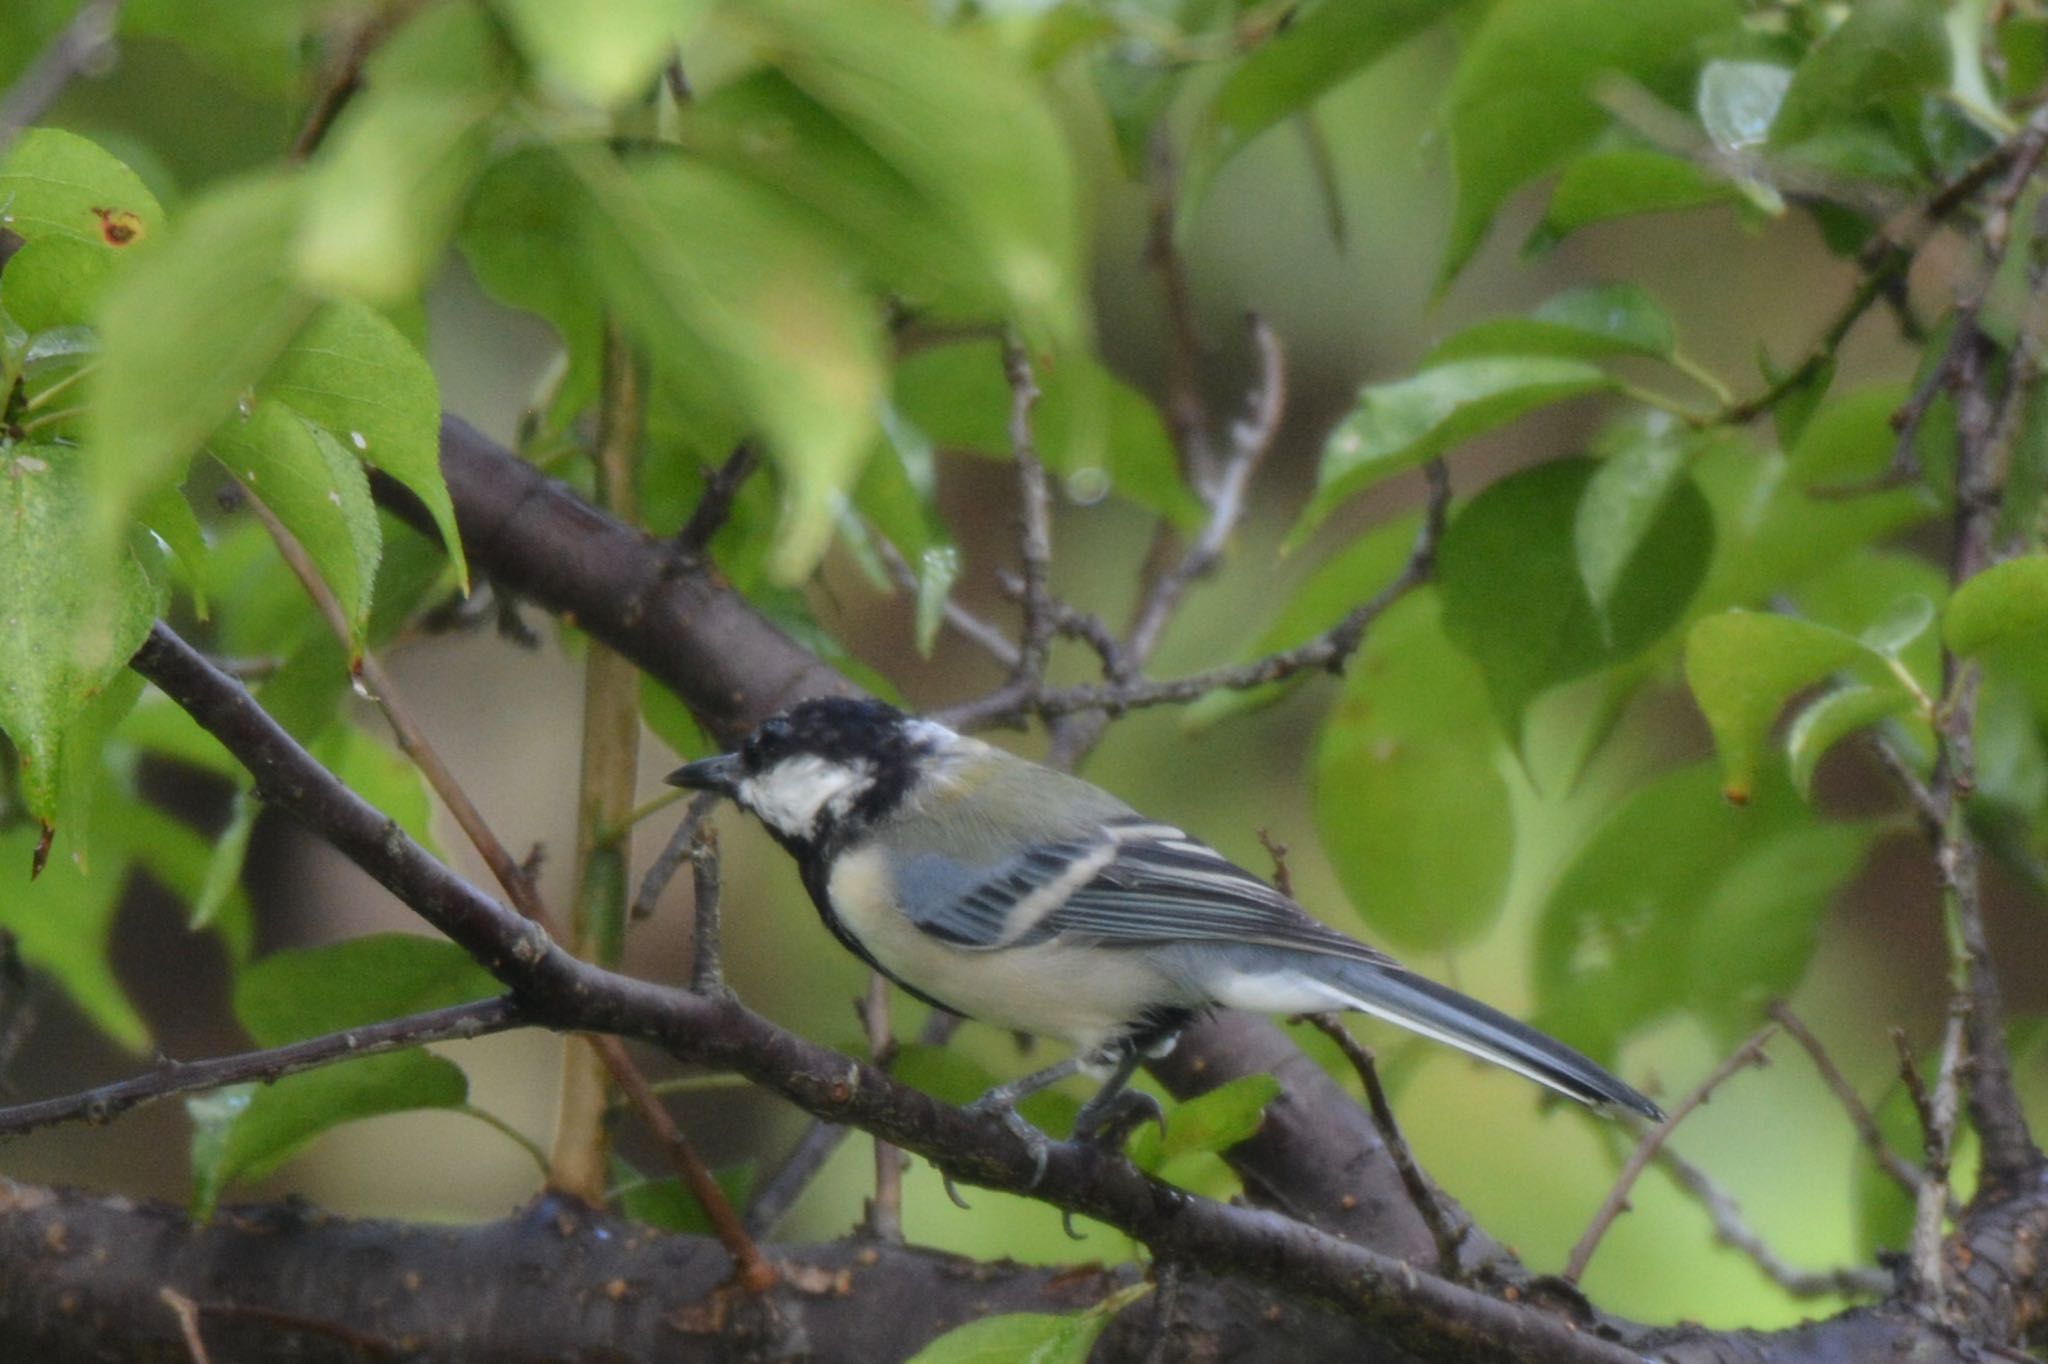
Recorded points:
1029,1337
170,518
63,922
1341,583
1884,1211
1743,666
351,371
1003,176
2001,602
1402,424
938,568
665,1203
942,1072
1758,926
1738,101
1212,1122
305,992
246,1133
1832,717
58,184
1287,73
1515,596
161,726
188,329
382,776
1137,85
320,493
1587,323
261,44
1524,96
73,613
671,721
224,869
1410,804
713,275
1622,503
1882,49
606,62
179,858
1602,186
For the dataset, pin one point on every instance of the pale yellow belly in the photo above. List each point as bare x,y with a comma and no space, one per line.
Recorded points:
1079,995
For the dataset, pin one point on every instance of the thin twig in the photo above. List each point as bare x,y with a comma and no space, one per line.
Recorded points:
1902,1171
347,79
885,1210
755,1273
187,1313
983,634
1186,408
714,507
1938,1111
707,974
104,1103
1449,1238
1732,1231
673,854
1750,1053
1034,542
83,46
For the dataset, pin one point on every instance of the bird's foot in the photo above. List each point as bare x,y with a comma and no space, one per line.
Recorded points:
1107,1123
1000,1105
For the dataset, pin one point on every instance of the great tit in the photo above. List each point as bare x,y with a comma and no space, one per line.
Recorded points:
999,889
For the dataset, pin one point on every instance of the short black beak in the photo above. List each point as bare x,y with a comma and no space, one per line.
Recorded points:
720,774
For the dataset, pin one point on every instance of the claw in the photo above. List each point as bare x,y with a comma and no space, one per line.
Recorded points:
946,1178
1067,1225
1000,1106
1109,1125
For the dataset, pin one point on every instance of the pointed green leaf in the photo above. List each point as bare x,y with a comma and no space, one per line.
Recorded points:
1586,324
72,614
1602,186
1515,596
1525,94
317,489
1029,1337
1402,424
938,568
1410,804
1882,50
1210,1123
1738,101
63,922
2005,601
1620,506
187,331
1286,74
665,1203
353,373
224,869
1743,666
289,996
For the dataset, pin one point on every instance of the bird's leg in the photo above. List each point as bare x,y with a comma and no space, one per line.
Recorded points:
1001,1102
1108,1119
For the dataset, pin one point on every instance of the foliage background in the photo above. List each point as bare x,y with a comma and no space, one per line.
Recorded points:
195,101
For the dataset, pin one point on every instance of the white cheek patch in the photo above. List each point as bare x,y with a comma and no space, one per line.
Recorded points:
790,796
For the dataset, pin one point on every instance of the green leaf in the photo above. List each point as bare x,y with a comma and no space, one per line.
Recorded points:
1410,804
938,568
247,1133
1882,50
160,725
55,282
1757,928
1738,101
224,868
1743,666
169,517
1029,1337
1588,323
1832,717
606,62
1208,1124
1399,425
305,992
1620,507
1516,598
1002,177
1602,186
716,277
63,922
72,613
58,184
1525,94
1285,75
353,373
942,1073
318,490
2004,601
187,330
382,776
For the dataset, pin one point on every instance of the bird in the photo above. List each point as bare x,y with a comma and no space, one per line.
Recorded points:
1003,890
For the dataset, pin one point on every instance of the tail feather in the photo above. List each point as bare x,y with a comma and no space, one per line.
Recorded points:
1441,1013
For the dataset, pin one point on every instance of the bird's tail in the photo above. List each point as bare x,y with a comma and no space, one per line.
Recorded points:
1441,1013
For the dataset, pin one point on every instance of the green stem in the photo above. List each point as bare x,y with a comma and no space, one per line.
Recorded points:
513,1134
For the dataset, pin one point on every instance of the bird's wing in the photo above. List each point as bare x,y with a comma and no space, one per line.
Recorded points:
1127,884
